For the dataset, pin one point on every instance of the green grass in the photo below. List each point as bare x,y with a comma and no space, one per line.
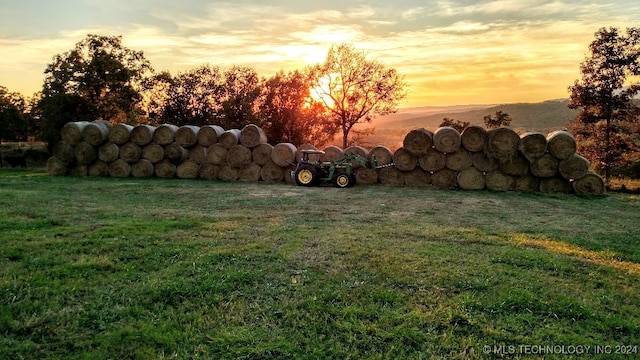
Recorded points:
96,268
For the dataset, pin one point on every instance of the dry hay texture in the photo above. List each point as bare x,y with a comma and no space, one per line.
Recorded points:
474,159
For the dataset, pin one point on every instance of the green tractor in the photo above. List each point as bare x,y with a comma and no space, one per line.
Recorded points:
338,171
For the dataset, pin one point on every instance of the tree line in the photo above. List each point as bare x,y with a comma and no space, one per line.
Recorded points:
101,79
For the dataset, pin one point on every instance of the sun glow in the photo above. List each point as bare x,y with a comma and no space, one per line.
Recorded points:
321,92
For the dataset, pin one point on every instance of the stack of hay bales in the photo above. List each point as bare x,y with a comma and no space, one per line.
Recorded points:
167,151
475,159
498,159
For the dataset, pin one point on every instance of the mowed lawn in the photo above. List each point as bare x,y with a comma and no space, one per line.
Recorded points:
104,268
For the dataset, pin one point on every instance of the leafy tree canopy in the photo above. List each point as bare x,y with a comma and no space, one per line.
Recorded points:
501,119
355,89
98,79
456,124
608,116
13,117
289,113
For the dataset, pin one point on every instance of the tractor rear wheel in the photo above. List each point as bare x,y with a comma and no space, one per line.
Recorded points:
344,180
306,175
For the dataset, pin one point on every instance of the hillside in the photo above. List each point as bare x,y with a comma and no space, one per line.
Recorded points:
544,117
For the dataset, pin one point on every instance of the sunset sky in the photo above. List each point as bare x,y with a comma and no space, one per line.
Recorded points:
451,52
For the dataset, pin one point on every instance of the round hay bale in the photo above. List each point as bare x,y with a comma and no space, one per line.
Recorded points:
561,144
307,146
502,143
175,153
574,167
64,152
56,167
96,133
533,145
261,154
483,162
130,152
71,132
555,185
153,152
471,179
417,178
252,135
187,135
79,170
405,160
545,166
433,160
209,171
209,134
270,172
444,179
165,169
589,184
99,169
331,152
187,169
197,153
142,134
239,156
527,183
229,138
382,154
228,173
250,173
474,138
142,168
119,168
366,176
108,152
458,160
120,133
499,181
165,134
517,165
446,139
85,153
284,154
217,154
391,176
418,141
361,151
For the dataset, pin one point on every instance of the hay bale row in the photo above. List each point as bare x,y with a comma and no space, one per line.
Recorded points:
498,159
168,151
475,159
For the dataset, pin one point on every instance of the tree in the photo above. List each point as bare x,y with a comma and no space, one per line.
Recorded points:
354,89
14,120
191,98
608,113
239,99
501,119
289,113
97,79
155,97
456,124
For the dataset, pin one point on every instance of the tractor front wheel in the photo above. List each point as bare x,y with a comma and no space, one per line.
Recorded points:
344,180
306,175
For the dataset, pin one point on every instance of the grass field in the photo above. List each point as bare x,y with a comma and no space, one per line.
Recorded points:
94,268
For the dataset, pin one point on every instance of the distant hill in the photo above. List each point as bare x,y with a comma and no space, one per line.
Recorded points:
544,117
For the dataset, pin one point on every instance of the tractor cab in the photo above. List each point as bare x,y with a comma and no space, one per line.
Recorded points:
306,153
